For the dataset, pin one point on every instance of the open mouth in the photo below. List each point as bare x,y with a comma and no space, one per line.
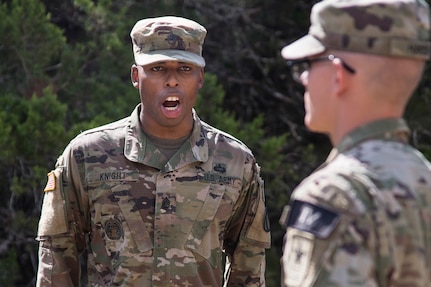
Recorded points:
171,103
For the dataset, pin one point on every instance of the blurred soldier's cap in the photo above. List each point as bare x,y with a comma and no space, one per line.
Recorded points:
397,28
168,38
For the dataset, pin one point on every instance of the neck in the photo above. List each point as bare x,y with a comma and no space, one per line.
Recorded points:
181,130
351,121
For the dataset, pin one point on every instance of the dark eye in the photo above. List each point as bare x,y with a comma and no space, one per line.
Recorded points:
157,68
185,68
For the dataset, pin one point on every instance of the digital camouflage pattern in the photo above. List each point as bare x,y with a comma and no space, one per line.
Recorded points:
168,38
364,217
144,220
384,27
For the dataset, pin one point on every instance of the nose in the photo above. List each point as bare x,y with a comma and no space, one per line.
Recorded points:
304,77
171,79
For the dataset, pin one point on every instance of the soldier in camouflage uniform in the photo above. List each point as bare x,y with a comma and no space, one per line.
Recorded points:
157,198
363,218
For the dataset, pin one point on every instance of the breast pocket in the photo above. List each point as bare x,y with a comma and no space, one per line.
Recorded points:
117,223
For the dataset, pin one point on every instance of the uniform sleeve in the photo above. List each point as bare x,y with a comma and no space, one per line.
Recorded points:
61,228
331,235
248,237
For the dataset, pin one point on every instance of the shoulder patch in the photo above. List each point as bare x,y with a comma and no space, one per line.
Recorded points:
312,218
53,219
297,257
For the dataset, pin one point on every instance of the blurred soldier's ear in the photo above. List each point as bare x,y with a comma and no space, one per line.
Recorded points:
134,76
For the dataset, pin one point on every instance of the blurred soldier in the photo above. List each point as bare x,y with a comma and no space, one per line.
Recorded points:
364,217
157,198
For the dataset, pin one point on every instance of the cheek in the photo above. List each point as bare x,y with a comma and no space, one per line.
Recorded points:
318,92
192,90
315,107
148,86
317,103
191,100
312,99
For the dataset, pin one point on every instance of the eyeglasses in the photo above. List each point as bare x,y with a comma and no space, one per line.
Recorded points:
300,66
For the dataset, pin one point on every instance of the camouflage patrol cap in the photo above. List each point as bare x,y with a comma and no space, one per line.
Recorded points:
168,38
397,28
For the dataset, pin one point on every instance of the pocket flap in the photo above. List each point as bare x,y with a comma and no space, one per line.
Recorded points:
138,230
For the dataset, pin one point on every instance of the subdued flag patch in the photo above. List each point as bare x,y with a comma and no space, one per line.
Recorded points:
51,184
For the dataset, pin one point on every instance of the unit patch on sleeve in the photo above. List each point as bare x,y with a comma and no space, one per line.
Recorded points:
297,257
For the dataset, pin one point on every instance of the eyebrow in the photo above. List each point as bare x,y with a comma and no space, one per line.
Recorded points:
164,62
179,63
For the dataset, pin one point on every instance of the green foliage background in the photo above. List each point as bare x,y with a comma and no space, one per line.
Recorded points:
65,67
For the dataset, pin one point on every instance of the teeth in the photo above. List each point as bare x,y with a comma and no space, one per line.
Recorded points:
171,103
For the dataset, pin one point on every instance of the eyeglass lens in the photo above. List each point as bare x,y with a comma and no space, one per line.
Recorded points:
297,68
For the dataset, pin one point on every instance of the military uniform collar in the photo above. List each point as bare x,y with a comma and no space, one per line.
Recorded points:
395,129
138,148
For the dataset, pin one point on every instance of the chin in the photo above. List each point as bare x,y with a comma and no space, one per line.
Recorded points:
313,127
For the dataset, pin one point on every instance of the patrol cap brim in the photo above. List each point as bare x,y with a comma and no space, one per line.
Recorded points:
302,48
393,28
169,55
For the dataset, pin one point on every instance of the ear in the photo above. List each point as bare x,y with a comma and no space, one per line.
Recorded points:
201,78
342,77
134,76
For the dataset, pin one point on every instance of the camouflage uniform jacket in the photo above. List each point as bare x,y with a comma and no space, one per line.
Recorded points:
364,217
142,220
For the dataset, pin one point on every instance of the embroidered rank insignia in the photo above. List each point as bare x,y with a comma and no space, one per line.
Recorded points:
51,184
